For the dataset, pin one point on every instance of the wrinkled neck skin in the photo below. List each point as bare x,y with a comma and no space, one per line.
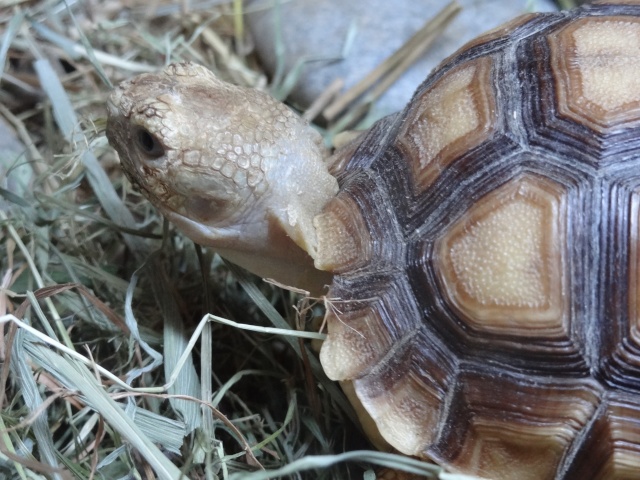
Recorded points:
287,263
231,167
267,242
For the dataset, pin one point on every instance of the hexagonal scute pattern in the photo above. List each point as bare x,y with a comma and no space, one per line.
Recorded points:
406,393
620,362
501,434
633,333
343,241
615,429
595,64
502,264
583,88
452,116
493,324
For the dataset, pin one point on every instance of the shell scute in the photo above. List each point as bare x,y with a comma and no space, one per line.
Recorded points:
503,263
373,318
529,427
406,392
580,91
511,307
452,116
611,450
595,63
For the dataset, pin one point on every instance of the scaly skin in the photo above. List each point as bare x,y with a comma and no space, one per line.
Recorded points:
208,155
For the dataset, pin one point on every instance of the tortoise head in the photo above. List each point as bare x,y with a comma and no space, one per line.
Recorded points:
231,167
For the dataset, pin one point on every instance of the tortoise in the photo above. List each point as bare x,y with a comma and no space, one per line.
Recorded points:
484,242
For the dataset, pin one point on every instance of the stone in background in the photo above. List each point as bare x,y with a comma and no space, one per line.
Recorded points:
313,29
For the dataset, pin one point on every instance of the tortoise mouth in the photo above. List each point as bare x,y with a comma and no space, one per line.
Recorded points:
201,232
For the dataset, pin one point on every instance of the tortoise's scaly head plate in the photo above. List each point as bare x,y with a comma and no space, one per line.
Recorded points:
230,166
194,145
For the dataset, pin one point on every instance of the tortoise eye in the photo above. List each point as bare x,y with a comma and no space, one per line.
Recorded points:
148,143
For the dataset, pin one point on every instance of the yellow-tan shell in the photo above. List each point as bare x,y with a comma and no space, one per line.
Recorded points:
488,288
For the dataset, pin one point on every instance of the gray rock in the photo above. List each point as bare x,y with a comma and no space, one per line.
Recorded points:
315,32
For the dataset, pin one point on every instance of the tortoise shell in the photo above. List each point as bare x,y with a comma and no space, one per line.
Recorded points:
485,242
489,261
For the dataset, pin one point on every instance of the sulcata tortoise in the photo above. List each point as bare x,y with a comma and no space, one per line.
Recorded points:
484,244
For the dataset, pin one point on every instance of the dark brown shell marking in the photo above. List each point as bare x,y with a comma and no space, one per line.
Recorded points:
496,326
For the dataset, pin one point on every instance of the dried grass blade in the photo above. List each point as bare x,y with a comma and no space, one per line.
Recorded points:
396,63
34,401
7,445
68,123
276,319
187,382
76,377
9,35
389,460
175,343
76,51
